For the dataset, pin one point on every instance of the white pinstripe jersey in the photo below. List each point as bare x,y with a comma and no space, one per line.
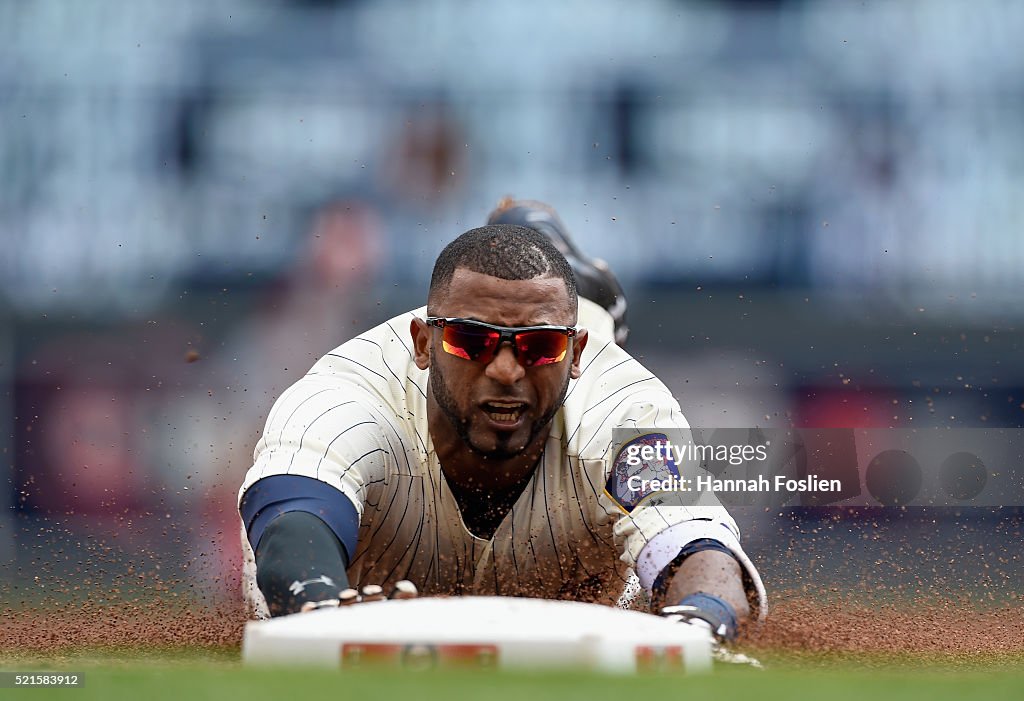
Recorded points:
358,421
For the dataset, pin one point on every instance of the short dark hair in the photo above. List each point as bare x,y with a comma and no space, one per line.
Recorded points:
505,251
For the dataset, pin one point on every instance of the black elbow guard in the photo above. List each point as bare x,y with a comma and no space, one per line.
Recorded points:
299,559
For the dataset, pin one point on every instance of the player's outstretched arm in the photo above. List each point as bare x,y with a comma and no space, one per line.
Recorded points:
706,585
301,531
299,560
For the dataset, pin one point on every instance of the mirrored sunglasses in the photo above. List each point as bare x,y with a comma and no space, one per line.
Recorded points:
477,341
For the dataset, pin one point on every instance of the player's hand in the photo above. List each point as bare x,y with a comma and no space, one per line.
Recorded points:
720,653
716,632
404,589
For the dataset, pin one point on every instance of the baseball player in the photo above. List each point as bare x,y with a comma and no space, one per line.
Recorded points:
467,447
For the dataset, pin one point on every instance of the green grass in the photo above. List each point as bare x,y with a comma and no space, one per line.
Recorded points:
216,674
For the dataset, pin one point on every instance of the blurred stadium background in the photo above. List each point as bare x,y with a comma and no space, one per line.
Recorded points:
814,208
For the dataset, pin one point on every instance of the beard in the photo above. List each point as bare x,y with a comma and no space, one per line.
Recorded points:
502,450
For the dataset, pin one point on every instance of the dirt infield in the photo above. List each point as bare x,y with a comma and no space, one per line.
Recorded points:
126,625
800,625
795,624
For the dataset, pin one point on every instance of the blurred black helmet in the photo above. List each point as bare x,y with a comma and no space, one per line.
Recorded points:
594,280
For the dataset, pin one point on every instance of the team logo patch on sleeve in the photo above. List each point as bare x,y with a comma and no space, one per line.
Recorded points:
639,462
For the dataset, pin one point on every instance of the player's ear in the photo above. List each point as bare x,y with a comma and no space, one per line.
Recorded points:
420,342
578,344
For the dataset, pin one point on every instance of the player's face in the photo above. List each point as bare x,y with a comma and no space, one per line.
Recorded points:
499,408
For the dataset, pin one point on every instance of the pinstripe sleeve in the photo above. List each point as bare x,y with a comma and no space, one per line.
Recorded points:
331,430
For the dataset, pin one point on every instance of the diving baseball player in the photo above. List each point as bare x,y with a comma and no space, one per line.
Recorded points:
467,447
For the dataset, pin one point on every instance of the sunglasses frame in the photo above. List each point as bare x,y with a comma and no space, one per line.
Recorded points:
506,334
